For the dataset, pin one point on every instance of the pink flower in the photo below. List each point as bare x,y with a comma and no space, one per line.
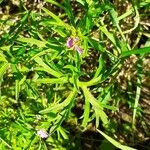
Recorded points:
73,42
42,133
70,42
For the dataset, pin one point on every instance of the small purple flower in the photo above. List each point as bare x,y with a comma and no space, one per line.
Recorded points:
70,42
73,43
42,133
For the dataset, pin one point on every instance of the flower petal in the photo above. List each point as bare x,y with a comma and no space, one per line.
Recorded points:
69,43
76,39
78,49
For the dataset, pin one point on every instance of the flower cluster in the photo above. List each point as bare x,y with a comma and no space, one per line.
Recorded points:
73,43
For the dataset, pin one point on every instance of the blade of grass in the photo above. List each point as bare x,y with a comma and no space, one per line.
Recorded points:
139,51
5,143
138,89
114,142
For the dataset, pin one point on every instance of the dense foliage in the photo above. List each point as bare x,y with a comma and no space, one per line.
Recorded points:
73,74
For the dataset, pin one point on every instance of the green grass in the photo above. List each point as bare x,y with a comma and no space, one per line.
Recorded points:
43,81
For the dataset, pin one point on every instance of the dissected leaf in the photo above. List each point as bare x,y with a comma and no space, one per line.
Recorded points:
97,107
62,105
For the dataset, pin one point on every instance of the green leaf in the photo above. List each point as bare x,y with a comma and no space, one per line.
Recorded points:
138,88
5,48
71,67
100,67
2,58
93,81
136,51
56,18
3,69
69,11
17,89
109,35
55,3
52,80
82,2
62,105
60,32
86,114
85,52
47,68
97,107
58,122
33,41
43,52
3,141
113,15
114,142
63,133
